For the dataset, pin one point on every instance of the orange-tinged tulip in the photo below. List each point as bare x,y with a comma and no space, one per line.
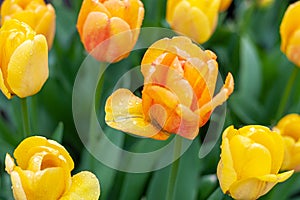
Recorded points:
193,18
290,33
23,60
177,97
114,24
36,13
224,5
250,161
44,172
289,128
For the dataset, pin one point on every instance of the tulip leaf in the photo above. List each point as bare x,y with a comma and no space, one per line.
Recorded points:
250,76
57,135
207,185
216,195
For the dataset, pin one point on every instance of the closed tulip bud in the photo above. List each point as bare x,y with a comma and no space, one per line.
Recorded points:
44,172
109,29
250,161
36,13
23,60
289,128
290,33
224,5
179,84
195,19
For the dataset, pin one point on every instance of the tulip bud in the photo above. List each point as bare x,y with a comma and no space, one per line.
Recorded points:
290,33
195,19
250,161
109,29
44,172
289,128
178,91
23,60
36,13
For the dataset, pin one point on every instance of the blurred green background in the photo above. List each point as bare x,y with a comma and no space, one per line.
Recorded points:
247,44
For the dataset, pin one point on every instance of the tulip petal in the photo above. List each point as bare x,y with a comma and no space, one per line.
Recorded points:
3,87
187,21
85,185
124,112
293,48
47,184
22,153
250,159
289,24
225,171
271,140
28,67
17,187
253,188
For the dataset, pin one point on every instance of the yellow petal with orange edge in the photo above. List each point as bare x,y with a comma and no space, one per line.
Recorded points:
85,185
22,152
124,112
134,13
28,67
225,171
293,48
192,22
180,45
47,184
289,24
87,7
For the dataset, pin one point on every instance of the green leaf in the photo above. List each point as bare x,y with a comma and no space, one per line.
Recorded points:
58,133
250,77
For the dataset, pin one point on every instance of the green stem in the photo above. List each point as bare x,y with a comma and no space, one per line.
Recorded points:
26,121
174,169
286,93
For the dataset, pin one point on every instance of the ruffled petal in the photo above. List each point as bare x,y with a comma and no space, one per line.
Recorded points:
124,112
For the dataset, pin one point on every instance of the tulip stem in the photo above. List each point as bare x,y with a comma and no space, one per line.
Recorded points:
26,122
286,94
174,169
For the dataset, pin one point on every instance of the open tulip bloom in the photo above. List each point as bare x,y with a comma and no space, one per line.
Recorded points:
250,161
44,172
179,83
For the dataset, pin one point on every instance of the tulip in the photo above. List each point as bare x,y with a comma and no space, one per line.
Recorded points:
109,29
195,19
224,5
44,172
289,128
23,60
290,33
36,13
179,83
250,160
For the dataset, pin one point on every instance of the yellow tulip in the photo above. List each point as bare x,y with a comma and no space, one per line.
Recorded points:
250,160
289,128
23,60
179,84
36,13
290,33
193,18
114,24
44,172
224,5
